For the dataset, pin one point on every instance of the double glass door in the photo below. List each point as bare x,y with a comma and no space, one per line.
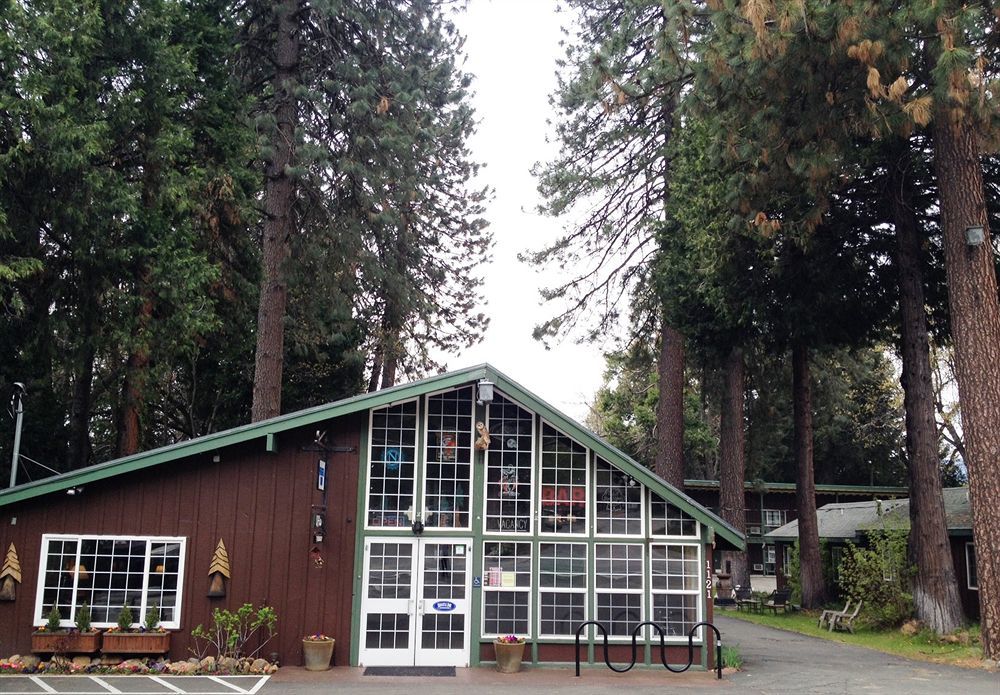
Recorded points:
415,605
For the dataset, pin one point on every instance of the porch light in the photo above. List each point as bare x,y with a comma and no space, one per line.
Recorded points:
974,235
485,392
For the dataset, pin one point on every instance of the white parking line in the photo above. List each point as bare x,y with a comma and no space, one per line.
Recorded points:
165,684
107,686
228,684
42,684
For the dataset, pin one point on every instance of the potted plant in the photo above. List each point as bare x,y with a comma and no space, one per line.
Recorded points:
52,638
510,652
318,650
150,638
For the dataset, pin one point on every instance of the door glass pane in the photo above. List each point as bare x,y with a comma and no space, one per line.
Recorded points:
449,459
508,467
391,472
443,631
387,631
444,571
390,570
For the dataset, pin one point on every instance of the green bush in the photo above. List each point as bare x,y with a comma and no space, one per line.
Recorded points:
231,633
125,619
879,575
54,620
152,617
793,572
83,618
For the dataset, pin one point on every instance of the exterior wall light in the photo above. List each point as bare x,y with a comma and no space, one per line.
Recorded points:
974,235
485,394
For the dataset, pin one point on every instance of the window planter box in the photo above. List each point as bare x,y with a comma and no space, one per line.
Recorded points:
65,642
136,643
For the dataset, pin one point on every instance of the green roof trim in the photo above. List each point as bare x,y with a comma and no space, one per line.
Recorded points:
791,487
269,429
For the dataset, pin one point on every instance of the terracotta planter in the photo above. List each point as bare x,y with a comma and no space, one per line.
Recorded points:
136,643
65,642
509,656
318,653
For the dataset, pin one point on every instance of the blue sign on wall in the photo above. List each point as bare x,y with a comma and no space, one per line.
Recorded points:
444,606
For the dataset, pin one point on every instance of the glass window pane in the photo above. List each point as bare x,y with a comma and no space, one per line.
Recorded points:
391,471
563,502
562,565
669,520
449,459
509,467
619,501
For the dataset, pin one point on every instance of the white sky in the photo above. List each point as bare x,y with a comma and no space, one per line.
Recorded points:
512,46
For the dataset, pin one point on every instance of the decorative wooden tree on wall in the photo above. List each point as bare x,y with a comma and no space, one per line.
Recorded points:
218,571
10,575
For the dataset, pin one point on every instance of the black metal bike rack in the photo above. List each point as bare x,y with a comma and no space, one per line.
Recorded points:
663,647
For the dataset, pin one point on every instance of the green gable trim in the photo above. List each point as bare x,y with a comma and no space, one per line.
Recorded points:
269,429
219,440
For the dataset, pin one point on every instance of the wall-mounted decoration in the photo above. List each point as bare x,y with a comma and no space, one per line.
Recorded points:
483,440
218,571
10,575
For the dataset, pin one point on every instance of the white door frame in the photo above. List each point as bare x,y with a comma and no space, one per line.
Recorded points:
404,631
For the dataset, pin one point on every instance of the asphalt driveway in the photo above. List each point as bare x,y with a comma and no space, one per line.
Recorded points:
776,661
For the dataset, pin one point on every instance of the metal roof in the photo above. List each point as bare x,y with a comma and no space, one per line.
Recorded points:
268,429
764,487
852,519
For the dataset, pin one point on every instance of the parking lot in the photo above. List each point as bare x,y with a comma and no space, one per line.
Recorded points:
131,685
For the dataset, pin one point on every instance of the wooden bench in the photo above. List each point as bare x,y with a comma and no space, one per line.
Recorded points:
845,620
827,615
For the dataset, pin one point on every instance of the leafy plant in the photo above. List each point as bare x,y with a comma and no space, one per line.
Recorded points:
152,620
54,620
231,634
731,657
83,618
125,619
879,575
793,571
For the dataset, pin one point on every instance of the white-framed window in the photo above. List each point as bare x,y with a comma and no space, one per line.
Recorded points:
774,518
109,572
392,464
506,588
562,588
563,490
769,554
448,459
675,585
618,581
970,566
509,465
668,519
618,508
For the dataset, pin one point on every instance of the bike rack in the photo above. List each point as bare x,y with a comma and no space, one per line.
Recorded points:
663,647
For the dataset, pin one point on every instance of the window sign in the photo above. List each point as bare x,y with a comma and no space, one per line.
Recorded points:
509,467
563,491
393,459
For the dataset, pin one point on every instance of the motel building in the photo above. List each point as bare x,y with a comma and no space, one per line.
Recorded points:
414,525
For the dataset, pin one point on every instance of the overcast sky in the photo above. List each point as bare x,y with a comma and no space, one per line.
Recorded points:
512,46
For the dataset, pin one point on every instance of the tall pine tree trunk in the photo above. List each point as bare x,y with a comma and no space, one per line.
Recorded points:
136,373
78,446
669,462
975,327
810,563
935,588
732,449
279,202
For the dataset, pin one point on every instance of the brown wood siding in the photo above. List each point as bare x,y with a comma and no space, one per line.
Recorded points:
259,503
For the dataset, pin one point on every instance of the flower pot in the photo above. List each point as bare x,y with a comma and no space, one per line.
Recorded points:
318,653
65,642
136,643
509,656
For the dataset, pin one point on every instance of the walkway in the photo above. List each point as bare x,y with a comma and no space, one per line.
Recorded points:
132,685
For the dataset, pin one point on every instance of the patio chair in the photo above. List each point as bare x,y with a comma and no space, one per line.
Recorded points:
828,614
846,620
778,599
745,597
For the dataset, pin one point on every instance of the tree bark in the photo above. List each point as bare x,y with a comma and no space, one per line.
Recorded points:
134,384
935,589
732,451
810,563
669,462
975,327
78,446
279,202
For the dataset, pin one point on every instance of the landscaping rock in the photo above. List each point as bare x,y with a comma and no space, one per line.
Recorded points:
911,627
28,661
81,661
109,660
259,666
229,664
15,659
208,664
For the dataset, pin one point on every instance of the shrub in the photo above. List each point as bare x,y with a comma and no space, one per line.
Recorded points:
125,619
879,576
731,657
152,617
793,572
231,633
54,620
83,618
